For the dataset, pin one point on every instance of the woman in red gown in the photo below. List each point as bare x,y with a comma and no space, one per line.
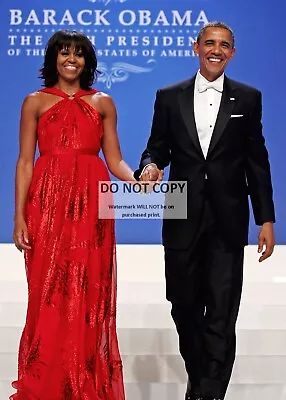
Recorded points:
68,349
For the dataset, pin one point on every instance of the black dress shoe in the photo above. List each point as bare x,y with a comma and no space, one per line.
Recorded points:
192,397
210,398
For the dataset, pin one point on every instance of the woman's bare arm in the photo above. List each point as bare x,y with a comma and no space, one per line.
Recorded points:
25,165
110,143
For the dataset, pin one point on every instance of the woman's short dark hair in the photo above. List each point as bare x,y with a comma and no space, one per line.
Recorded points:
66,39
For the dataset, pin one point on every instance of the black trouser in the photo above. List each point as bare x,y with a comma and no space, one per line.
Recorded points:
204,284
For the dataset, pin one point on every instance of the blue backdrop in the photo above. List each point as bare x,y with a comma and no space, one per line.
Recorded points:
142,45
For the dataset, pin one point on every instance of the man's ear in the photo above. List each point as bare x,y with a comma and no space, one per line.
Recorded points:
196,48
233,53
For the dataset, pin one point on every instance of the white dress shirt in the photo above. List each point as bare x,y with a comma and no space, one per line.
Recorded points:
207,98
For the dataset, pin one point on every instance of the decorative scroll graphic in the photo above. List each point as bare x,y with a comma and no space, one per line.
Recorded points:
120,71
106,2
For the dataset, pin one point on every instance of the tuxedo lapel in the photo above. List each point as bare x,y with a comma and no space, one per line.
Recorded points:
186,101
225,110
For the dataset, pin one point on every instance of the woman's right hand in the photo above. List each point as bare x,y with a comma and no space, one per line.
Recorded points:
20,235
151,173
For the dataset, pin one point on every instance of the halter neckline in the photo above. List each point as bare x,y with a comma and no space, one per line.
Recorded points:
58,92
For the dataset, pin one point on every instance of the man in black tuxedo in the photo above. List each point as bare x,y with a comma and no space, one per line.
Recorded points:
209,130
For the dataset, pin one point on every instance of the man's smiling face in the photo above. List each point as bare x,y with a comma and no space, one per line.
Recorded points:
215,49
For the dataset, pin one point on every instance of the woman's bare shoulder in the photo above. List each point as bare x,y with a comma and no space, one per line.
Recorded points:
37,96
33,100
103,102
103,98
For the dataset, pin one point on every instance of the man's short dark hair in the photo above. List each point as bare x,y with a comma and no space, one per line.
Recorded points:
66,39
215,24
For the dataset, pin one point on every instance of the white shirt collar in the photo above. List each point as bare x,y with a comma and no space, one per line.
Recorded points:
218,83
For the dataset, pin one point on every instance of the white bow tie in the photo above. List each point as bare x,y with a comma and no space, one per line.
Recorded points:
203,86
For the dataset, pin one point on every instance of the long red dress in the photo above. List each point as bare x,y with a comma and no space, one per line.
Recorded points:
69,348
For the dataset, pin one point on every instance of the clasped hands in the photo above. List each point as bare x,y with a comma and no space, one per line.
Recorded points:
151,173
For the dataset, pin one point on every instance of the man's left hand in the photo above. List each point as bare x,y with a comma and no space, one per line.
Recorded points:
266,238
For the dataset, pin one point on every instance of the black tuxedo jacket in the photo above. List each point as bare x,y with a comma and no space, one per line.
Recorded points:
236,164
